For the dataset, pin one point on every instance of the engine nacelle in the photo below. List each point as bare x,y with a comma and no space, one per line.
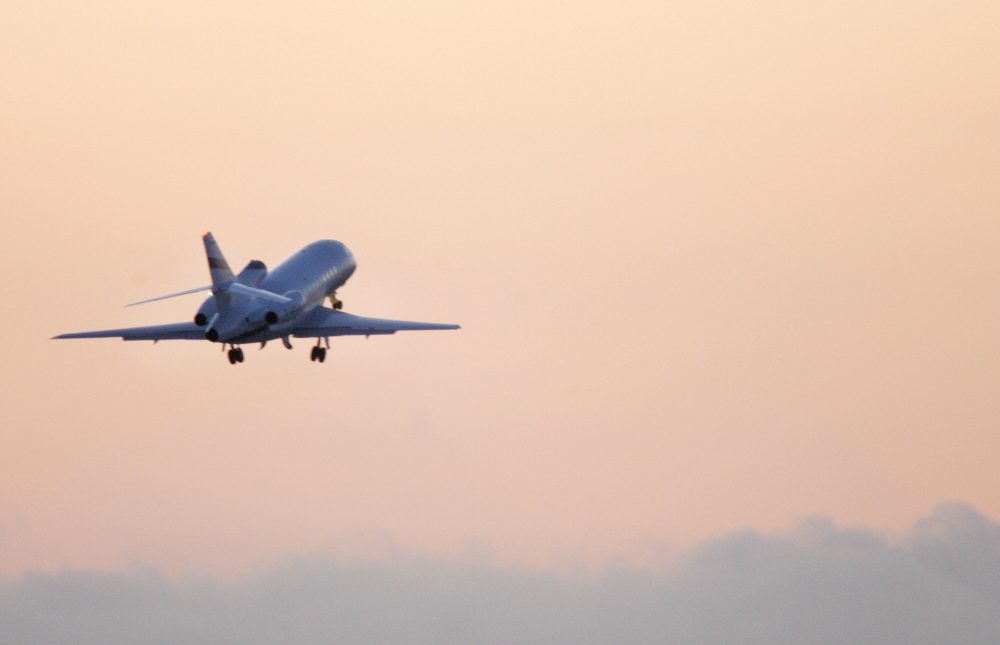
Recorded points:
280,312
205,312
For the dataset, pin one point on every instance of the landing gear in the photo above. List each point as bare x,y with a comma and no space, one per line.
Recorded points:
335,303
319,353
235,355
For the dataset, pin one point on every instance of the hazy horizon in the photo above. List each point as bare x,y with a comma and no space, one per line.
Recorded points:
816,583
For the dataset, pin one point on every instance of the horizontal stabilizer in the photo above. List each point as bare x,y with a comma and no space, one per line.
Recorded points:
170,295
234,287
244,290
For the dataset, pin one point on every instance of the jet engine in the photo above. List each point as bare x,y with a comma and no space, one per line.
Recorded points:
281,312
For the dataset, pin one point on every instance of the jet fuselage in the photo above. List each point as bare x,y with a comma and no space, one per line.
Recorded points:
256,306
306,278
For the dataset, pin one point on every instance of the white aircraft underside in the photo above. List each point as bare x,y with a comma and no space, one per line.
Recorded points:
257,306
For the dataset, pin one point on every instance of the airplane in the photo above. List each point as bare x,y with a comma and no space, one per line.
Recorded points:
258,305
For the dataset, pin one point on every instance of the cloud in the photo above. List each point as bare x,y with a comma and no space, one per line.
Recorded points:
819,583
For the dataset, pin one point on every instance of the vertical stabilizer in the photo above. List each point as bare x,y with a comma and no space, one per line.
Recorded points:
218,268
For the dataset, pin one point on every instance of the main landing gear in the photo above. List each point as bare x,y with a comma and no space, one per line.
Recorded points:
235,355
319,353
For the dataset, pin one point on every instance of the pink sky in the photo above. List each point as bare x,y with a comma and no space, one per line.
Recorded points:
718,265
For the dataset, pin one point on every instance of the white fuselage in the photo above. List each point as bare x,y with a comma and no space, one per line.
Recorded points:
305,278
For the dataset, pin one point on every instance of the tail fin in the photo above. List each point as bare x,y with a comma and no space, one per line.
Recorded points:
217,265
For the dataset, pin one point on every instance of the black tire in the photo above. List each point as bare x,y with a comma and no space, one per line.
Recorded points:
321,354
232,356
338,305
239,355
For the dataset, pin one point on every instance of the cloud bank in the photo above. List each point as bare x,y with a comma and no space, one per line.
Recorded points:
817,584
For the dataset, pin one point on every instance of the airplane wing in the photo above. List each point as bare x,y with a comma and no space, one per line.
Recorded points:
174,331
329,322
321,323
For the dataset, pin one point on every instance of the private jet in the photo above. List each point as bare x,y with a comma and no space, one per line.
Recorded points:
257,305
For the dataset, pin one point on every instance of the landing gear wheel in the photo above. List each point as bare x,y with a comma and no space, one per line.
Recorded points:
312,353
317,354
239,354
231,355
338,305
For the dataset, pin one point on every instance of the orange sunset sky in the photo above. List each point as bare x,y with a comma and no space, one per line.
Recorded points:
718,265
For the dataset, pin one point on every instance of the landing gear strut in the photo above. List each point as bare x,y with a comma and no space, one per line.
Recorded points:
235,355
337,304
